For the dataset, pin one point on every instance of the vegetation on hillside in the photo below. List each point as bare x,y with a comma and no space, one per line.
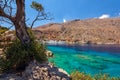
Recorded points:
76,75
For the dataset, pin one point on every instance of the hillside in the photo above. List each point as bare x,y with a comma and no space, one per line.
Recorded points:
98,31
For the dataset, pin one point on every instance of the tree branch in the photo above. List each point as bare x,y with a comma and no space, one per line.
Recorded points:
5,20
40,16
3,14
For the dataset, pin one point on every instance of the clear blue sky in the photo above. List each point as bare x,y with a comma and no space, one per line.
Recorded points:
71,9
82,9
76,9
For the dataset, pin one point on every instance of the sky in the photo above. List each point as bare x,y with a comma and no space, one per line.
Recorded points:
66,10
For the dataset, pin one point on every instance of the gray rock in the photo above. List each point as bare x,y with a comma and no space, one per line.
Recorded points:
37,71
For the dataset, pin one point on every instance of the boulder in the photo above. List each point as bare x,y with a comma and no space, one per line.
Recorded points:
49,53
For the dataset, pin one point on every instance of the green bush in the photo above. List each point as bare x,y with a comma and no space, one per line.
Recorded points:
76,75
17,57
104,77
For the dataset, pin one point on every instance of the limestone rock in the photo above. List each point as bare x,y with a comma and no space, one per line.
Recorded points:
49,53
37,71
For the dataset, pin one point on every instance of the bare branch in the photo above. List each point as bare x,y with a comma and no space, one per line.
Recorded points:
36,18
40,16
3,14
10,7
4,7
6,20
27,19
10,26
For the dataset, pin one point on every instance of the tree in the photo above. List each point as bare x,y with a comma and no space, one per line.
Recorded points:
19,53
17,18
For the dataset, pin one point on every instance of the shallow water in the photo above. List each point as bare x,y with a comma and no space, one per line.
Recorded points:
91,59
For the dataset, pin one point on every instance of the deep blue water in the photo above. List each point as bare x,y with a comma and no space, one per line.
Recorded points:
90,59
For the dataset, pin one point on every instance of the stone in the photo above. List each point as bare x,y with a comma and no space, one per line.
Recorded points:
63,79
63,71
49,53
35,75
12,79
39,71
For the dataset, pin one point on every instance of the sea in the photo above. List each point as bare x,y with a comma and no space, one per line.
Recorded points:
89,59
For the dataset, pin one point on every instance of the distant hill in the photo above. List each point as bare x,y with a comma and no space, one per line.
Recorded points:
98,31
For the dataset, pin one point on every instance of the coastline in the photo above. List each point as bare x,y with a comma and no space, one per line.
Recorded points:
60,42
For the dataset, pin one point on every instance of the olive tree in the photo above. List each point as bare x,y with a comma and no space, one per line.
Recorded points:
18,55
13,13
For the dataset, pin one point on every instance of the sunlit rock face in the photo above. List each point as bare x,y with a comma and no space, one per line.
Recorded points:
96,31
49,53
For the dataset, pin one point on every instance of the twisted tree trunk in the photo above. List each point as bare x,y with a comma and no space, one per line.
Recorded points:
19,22
22,33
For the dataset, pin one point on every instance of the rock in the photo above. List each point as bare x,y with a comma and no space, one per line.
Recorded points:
49,53
1,50
63,71
12,79
37,71
8,36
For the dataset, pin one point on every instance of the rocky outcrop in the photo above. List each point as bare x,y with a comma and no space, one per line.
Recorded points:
37,71
8,36
49,53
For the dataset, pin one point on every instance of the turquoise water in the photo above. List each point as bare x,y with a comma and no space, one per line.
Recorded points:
86,58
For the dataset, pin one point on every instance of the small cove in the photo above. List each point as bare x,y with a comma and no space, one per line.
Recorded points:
91,59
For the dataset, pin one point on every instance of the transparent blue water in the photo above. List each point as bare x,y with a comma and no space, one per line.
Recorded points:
90,59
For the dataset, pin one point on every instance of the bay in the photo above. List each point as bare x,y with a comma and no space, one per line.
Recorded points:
90,59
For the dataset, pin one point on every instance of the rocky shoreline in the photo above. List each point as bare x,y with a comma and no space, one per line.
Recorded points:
60,42
38,71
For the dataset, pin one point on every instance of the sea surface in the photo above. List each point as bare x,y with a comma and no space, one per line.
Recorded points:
90,59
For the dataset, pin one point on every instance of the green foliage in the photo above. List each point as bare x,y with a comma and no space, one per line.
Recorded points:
31,34
3,29
37,6
104,77
17,57
76,75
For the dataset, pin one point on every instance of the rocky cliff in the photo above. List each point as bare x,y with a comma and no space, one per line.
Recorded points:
98,31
